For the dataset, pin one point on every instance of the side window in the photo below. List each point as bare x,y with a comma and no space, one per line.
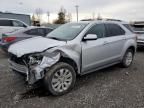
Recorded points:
32,32
47,30
36,32
98,29
41,32
5,23
17,24
114,30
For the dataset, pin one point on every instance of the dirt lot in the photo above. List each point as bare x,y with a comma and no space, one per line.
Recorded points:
113,87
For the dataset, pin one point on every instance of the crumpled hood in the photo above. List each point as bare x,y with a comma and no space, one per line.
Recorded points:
32,45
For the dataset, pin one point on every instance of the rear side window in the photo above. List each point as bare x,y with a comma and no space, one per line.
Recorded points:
48,30
114,30
5,23
37,32
98,29
31,32
41,32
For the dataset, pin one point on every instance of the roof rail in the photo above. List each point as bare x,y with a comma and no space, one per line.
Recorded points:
107,19
87,20
113,20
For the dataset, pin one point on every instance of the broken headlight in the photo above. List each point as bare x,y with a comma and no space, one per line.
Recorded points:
35,59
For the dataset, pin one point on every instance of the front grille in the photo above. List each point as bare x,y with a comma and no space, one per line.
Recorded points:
18,67
16,59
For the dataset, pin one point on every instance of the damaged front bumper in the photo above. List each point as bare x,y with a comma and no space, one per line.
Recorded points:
35,72
18,67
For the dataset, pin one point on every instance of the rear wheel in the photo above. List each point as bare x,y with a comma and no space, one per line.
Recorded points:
60,79
128,58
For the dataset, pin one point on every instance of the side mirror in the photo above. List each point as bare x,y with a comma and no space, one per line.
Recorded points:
90,37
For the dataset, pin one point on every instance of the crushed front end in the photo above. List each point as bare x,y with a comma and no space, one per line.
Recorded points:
33,65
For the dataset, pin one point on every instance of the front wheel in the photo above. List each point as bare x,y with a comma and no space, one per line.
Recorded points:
128,58
60,79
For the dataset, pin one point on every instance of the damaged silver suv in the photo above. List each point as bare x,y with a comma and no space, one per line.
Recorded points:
70,50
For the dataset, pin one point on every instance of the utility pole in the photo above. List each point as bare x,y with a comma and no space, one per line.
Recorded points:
93,15
77,12
48,14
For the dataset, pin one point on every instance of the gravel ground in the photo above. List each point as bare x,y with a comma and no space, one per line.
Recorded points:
113,87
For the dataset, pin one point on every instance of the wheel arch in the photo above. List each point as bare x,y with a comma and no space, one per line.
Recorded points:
132,48
70,62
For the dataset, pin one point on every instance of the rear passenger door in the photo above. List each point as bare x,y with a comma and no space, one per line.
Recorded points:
115,39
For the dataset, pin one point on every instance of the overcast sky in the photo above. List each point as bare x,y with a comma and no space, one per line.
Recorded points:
128,10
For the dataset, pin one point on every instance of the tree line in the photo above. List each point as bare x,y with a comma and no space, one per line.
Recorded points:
63,16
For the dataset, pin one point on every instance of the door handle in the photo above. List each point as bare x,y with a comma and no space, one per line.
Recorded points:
105,43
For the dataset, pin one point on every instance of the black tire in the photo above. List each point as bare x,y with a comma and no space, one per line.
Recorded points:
51,73
123,63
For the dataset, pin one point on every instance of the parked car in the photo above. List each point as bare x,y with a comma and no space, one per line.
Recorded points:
10,38
139,30
9,25
70,50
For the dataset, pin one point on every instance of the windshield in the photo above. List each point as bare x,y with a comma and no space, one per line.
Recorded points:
67,31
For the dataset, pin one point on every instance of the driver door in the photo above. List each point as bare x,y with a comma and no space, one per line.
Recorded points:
95,52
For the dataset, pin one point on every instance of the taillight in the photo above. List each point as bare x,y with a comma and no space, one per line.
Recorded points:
8,39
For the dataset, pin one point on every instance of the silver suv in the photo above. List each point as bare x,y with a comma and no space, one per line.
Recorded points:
70,50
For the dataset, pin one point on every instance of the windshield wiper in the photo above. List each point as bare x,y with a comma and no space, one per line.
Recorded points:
54,38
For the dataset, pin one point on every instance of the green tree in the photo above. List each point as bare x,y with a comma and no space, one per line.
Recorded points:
61,17
33,18
39,14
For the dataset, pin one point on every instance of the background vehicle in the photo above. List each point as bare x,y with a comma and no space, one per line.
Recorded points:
73,49
10,38
10,25
139,30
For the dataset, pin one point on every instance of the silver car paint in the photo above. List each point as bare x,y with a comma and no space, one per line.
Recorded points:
89,55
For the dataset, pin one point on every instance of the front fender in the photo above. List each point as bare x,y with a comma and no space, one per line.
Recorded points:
72,52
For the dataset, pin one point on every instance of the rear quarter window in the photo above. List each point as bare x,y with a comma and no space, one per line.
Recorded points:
128,27
114,30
